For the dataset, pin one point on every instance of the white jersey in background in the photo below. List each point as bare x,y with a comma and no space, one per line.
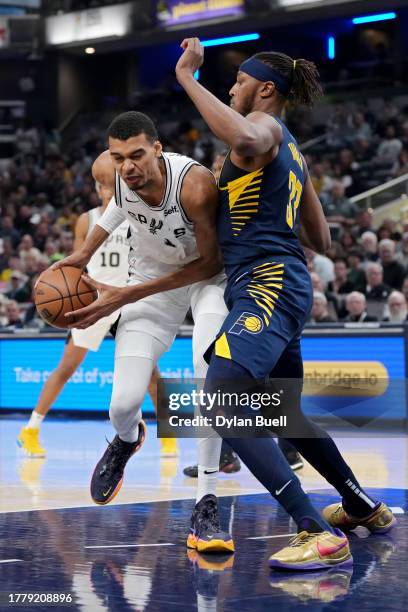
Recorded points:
109,264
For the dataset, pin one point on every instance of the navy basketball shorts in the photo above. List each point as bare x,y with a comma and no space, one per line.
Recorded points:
269,304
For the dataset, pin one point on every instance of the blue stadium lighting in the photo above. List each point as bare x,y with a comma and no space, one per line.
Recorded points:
372,18
214,42
197,75
331,47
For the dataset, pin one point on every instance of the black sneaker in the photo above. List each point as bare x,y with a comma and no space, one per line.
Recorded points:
229,463
205,531
108,474
295,460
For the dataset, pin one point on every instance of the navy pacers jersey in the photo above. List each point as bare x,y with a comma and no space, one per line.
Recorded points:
269,292
258,212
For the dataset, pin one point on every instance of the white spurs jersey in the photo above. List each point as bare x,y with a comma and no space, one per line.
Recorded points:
109,264
161,237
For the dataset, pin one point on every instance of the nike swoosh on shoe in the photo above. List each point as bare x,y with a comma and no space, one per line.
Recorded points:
330,550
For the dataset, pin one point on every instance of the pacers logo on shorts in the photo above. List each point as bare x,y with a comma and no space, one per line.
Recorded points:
247,322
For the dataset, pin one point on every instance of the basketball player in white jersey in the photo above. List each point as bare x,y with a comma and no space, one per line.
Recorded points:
109,265
170,202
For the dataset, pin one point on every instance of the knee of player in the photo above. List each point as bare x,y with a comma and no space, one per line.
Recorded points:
123,402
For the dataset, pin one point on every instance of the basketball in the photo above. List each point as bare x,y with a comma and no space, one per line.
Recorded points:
57,292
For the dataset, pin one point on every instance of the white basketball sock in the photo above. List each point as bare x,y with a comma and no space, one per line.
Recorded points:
35,420
209,450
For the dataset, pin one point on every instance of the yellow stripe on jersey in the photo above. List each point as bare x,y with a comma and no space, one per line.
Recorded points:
222,348
240,191
265,287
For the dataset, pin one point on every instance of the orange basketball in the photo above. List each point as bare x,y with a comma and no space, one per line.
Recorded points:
57,292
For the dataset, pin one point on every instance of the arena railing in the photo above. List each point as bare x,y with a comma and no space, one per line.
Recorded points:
383,194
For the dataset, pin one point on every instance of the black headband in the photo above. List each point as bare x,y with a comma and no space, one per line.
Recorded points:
262,72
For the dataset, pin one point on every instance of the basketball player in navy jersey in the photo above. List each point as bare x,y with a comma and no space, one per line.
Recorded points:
267,206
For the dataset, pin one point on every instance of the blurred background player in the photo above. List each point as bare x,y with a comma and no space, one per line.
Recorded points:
109,264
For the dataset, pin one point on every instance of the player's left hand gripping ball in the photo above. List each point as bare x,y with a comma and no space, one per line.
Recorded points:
193,56
109,300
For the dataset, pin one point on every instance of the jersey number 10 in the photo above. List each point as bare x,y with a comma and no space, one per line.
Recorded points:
295,191
112,261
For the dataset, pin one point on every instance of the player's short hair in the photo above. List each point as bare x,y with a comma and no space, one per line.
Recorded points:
301,75
132,123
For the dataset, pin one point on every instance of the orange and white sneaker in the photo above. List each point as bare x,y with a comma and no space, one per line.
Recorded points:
107,477
206,534
29,442
380,521
313,551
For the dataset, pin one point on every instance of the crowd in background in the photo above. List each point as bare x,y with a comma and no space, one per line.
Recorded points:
45,188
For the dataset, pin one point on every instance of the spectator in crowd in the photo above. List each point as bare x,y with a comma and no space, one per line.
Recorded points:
22,221
376,289
337,206
397,308
13,316
320,180
405,288
361,128
394,272
390,225
319,312
400,166
356,274
402,250
369,242
26,247
341,283
356,306
347,240
7,230
18,289
389,148
322,265
363,222
6,254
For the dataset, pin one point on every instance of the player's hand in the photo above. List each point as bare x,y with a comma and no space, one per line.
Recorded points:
78,259
109,299
192,58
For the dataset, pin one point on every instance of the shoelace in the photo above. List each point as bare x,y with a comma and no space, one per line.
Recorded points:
208,517
301,538
116,459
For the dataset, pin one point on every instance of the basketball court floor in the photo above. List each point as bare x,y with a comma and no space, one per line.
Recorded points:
131,555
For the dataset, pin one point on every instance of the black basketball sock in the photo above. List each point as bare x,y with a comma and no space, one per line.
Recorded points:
322,453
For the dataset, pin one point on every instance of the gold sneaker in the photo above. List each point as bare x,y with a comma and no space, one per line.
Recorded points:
168,447
29,441
310,551
380,521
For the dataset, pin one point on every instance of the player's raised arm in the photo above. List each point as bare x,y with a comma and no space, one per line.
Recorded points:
248,136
